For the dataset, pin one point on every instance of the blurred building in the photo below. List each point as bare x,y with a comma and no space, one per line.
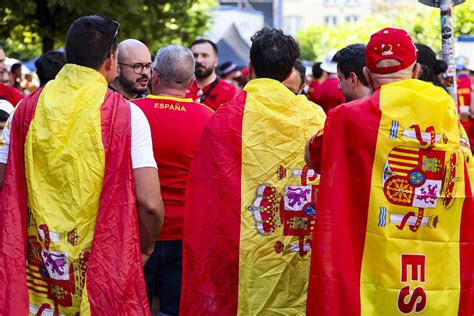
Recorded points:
297,14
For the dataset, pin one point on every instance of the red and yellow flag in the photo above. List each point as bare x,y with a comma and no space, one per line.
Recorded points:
393,233
250,207
68,205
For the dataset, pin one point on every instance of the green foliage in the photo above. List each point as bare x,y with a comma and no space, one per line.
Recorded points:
29,26
423,24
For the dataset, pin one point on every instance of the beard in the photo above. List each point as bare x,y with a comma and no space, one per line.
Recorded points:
203,72
129,85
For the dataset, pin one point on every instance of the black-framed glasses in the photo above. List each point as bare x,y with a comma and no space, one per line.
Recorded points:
138,67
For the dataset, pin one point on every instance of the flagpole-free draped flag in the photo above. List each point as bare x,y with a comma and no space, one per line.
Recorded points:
68,204
394,229
250,206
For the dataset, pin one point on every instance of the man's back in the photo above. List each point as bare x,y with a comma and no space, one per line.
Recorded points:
176,125
250,159
402,182
77,143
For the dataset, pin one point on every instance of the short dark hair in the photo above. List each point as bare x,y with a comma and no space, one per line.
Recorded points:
273,54
317,71
15,66
49,64
4,116
90,39
431,66
204,41
352,59
301,70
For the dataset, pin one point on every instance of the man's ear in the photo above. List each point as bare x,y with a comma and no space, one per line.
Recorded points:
353,80
109,62
155,81
251,71
367,76
416,71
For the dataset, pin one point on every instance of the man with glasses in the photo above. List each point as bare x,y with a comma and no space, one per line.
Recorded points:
8,93
80,200
134,69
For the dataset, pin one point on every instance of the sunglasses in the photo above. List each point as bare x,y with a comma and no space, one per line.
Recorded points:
117,24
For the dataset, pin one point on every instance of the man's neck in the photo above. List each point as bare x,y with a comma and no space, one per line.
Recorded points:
119,88
202,82
170,92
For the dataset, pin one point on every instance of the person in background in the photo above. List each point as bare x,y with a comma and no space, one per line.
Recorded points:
228,72
48,65
350,64
431,67
7,92
207,88
134,71
6,108
16,76
296,81
319,76
327,94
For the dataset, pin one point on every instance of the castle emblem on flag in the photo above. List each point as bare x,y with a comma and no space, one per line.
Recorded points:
292,210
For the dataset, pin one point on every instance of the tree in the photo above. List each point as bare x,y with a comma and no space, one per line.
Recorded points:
156,22
423,24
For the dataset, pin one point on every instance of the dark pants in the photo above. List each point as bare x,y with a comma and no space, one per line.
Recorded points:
163,275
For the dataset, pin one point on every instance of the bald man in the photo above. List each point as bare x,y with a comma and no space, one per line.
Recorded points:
134,69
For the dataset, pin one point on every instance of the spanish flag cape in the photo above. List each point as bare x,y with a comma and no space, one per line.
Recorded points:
394,234
69,239
250,206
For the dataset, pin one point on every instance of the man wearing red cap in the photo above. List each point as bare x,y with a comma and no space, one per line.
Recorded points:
395,197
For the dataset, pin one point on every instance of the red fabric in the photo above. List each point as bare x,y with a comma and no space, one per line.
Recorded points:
13,290
223,92
390,43
176,127
464,90
339,246
214,265
466,253
10,94
115,281
313,87
328,95
315,152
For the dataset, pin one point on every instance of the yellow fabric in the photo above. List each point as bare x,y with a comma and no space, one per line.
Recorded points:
275,129
438,239
65,163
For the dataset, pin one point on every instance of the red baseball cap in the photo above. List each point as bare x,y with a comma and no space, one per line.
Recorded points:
390,43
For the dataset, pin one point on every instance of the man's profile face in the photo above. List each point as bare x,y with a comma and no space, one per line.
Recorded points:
293,82
205,58
129,64
345,86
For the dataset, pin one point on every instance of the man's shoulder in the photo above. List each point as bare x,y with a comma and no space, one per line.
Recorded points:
226,87
353,108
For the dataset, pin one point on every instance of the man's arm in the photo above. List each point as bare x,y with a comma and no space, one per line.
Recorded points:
313,151
150,208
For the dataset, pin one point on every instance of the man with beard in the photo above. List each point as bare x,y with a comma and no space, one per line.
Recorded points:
134,62
208,88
